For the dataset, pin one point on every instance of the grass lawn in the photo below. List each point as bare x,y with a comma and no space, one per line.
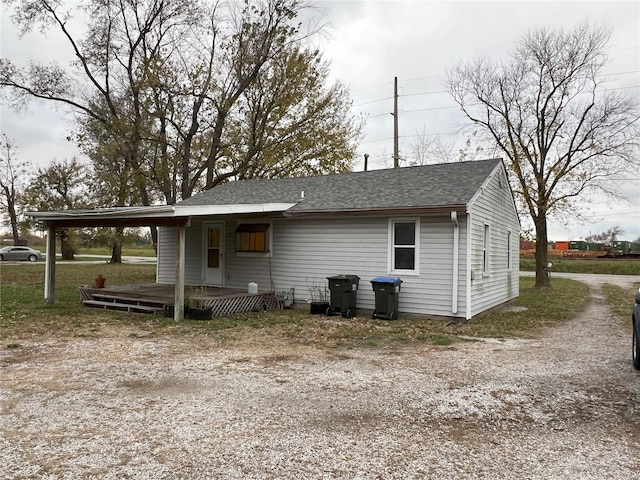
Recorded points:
23,314
578,265
620,301
127,250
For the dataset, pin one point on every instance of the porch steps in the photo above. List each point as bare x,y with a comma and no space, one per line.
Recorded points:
123,303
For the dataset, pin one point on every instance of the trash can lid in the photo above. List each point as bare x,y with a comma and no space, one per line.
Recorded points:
393,280
344,277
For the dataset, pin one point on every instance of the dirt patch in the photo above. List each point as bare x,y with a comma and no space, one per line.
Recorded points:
563,405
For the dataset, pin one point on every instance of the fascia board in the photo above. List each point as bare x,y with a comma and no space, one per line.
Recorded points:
161,211
207,210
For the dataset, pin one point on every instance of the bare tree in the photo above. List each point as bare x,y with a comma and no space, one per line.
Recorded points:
429,149
547,110
13,177
609,236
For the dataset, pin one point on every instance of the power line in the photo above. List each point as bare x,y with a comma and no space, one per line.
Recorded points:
422,93
439,92
411,136
373,101
432,108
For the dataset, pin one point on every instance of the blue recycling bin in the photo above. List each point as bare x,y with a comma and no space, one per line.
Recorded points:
386,291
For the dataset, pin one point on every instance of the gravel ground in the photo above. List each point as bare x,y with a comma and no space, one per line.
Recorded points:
565,405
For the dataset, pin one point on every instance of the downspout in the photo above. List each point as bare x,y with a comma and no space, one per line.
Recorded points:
456,243
468,281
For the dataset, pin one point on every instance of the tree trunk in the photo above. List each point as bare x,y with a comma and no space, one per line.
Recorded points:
542,269
66,247
116,246
13,217
154,238
14,230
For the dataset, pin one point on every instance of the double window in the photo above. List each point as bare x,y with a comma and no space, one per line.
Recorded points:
252,237
404,240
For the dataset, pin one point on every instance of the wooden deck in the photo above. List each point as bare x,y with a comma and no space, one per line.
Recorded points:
153,298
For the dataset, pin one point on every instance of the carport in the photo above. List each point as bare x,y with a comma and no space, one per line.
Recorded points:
158,216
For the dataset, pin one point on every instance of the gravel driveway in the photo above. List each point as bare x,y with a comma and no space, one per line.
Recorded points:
565,405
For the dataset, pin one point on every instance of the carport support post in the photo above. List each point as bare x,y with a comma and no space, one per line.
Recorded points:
50,267
178,306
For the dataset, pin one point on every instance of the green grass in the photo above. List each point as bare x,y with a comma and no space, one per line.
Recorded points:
23,311
620,300
611,267
127,250
544,308
24,314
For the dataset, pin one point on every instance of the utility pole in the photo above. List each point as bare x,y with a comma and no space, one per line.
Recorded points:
395,122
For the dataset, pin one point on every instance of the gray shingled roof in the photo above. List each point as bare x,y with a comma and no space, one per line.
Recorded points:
445,184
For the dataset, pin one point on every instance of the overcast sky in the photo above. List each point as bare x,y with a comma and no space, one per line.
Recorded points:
370,43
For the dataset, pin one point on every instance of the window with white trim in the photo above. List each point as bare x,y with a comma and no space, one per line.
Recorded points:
404,240
485,249
508,250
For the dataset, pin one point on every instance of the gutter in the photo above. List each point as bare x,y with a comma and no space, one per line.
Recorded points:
387,211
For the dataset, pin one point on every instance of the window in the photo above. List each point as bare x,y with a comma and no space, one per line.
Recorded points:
508,250
485,250
252,237
404,245
213,247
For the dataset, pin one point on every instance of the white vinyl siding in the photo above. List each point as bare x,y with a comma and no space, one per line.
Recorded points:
167,242
305,252
494,280
435,289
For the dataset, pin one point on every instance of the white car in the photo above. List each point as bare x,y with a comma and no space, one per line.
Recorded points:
19,253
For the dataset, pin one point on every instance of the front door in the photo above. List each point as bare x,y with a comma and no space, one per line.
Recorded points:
213,253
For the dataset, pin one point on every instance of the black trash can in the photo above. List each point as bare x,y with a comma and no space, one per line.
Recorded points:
344,289
386,291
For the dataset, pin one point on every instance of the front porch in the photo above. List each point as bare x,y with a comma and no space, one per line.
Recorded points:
153,298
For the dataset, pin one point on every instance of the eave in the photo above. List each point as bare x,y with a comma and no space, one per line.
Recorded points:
399,211
163,215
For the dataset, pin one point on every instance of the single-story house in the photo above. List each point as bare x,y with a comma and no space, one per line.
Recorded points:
450,232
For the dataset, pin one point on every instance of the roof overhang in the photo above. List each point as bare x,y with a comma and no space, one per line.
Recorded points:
397,212
176,215
161,215
234,209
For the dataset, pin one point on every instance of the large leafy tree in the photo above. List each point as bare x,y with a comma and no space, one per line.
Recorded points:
547,110
62,185
180,96
290,123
